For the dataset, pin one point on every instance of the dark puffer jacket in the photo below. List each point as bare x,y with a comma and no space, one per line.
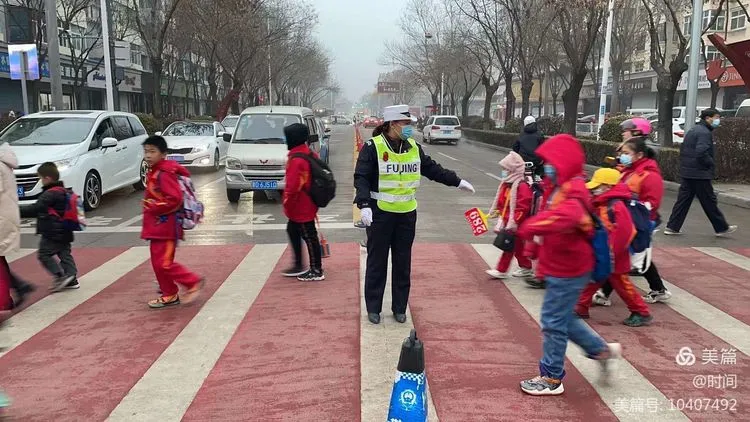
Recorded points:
48,225
697,153
527,144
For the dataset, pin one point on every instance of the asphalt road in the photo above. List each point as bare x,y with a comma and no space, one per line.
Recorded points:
259,219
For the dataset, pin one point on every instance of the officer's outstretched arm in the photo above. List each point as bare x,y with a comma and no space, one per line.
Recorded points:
435,172
365,170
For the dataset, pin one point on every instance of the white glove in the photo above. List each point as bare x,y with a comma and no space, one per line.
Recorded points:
366,216
466,186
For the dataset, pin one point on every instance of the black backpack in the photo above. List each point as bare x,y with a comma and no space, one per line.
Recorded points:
322,185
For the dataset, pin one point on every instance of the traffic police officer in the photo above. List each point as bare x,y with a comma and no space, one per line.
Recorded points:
386,177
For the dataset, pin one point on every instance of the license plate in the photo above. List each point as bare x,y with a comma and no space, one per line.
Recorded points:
447,132
264,184
21,191
176,158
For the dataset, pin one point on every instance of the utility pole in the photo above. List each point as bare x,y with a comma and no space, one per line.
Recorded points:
108,61
605,69
270,82
691,102
53,55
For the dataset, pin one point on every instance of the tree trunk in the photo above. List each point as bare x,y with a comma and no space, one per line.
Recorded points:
714,91
554,103
541,85
526,86
156,70
510,99
666,89
465,105
615,106
489,91
570,102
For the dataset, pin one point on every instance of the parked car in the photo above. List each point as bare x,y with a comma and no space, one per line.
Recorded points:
371,122
230,122
442,129
744,109
96,152
256,160
678,121
196,144
323,146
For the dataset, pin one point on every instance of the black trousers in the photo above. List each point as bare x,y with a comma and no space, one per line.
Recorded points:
16,283
49,250
392,232
306,232
651,275
704,190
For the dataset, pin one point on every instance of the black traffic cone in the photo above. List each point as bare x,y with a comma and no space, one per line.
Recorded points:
409,395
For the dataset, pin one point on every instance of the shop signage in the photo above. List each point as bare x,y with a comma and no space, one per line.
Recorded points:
731,78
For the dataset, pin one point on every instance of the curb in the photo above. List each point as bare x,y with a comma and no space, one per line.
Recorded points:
723,197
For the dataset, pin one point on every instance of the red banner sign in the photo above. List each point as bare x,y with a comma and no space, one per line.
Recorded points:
731,78
477,220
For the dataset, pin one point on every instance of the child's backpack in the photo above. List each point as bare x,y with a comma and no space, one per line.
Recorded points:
192,209
322,183
537,191
641,220
73,218
604,261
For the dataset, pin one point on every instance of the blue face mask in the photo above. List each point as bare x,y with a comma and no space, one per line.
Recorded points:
407,132
716,122
504,174
550,172
626,160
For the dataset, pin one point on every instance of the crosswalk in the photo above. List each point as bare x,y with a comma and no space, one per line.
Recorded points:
258,346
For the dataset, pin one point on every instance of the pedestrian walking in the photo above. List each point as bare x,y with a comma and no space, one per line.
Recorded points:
299,206
642,175
609,194
697,169
386,178
56,239
162,203
566,260
10,222
528,142
512,205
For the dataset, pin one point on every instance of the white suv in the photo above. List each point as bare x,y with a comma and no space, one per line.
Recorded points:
96,152
256,160
442,129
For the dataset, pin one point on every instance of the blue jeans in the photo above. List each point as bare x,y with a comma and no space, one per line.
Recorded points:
560,324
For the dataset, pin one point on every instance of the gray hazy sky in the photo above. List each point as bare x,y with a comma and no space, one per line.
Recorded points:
354,32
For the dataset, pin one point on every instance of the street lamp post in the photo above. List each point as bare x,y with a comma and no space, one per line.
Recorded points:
53,55
691,102
605,70
107,57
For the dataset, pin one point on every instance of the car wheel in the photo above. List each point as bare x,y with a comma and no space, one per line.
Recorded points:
143,171
92,191
217,162
233,195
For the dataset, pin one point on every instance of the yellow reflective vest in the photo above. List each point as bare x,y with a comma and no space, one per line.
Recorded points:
399,176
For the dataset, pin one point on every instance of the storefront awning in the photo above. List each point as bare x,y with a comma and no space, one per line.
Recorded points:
737,53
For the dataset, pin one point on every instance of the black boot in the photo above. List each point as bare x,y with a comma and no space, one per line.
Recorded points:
400,318
373,317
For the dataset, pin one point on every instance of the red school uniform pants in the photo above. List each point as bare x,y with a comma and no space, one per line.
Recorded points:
625,289
169,273
507,257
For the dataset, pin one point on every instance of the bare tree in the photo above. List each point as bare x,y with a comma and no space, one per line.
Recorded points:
628,37
576,29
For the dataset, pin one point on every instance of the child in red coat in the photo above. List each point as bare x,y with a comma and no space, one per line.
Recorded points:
161,205
512,205
608,203
299,206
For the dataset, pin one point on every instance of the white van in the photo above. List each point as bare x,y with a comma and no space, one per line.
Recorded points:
256,160
641,112
744,109
678,121
95,152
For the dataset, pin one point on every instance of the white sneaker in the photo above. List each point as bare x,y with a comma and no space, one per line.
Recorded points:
614,353
656,296
523,273
730,230
497,274
600,299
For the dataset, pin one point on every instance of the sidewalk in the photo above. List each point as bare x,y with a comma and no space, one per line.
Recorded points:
730,194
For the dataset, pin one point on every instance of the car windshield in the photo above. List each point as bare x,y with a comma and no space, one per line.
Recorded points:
189,129
446,121
263,128
230,121
48,131
743,111
676,113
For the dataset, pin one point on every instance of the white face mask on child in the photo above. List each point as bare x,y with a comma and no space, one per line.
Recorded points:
504,174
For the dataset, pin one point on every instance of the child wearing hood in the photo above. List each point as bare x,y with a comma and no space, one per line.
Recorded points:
566,260
512,205
609,194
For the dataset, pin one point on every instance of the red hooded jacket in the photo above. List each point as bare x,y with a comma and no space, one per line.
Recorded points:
644,179
523,202
298,205
163,198
565,224
621,230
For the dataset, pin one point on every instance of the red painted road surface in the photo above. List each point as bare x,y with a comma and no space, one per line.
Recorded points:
296,354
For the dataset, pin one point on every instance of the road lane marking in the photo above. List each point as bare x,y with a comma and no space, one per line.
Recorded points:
449,157
206,228
19,254
629,382
43,313
380,346
169,386
493,176
727,256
